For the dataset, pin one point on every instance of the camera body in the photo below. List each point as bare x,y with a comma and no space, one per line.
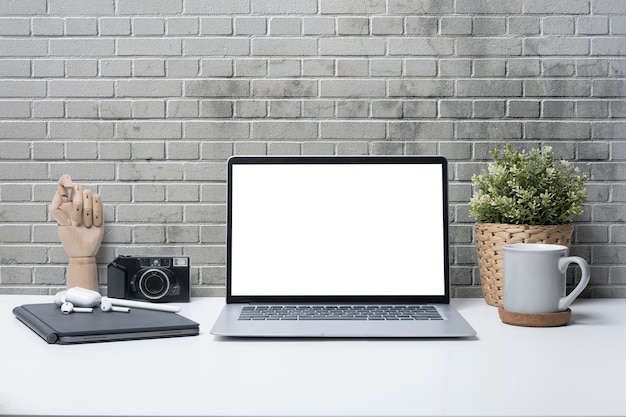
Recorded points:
159,279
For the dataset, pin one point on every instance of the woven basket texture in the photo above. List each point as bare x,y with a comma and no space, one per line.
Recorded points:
491,237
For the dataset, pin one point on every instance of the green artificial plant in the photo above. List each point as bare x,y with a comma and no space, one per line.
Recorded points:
533,188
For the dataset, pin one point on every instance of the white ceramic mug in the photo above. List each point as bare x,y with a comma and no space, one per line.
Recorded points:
534,278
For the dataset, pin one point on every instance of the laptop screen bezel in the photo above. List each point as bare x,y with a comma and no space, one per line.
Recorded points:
433,160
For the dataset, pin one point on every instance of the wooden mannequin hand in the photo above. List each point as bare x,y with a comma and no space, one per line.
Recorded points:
80,223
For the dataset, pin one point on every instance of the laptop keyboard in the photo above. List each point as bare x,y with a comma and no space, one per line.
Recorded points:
340,312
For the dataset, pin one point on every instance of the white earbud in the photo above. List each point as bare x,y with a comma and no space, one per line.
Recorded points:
68,308
107,305
140,305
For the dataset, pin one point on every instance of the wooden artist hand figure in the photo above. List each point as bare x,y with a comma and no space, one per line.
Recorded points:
80,223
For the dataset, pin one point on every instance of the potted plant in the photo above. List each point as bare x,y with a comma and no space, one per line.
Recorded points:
522,197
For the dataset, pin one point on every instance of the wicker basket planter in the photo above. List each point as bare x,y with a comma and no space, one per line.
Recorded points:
491,237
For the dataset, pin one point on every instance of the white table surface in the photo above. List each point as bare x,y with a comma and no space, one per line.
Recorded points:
579,369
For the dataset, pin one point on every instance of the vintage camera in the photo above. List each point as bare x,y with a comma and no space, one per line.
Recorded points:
158,279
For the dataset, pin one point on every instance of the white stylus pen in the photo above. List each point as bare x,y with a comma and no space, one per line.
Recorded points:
141,304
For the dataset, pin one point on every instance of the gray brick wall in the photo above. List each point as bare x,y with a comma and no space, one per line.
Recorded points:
144,100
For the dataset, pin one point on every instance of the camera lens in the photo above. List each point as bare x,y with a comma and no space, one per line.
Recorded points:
154,284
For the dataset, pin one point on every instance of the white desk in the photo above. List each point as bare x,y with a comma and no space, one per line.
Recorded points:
575,370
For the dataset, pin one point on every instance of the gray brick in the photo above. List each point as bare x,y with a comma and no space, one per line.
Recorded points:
352,7
80,47
558,109
148,26
387,109
557,130
148,130
284,130
420,130
592,109
352,130
284,67
114,151
495,88
284,148
351,46
318,26
283,109
458,25
608,46
216,130
353,26
285,26
48,151
284,46
489,25
558,25
284,88
455,67
421,88
489,46
23,8
148,193
352,88
15,192
15,68
385,68
110,26
556,6
14,109
48,68
488,7
492,130
183,193
557,88
352,109
14,150
524,108
217,88
455,109
387,25
217,25
23,47
81,130
22,171
419,109
353,67
14,27
148,88
22,130
250,26
149,213
556,46
524,25
420,47
216,108
182,26
157,47
149,7
85,109
79,26
183,150
76,88
250,67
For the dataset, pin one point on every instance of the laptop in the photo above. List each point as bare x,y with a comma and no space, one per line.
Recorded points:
53,326
338,247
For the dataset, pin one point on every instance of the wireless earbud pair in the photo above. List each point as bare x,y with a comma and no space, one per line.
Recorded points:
82,300
68,308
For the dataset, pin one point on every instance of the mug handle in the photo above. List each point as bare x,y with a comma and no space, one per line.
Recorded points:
564,302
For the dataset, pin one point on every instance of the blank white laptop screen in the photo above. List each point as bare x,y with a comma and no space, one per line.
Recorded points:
337,230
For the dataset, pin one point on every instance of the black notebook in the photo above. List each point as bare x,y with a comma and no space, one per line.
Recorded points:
53,326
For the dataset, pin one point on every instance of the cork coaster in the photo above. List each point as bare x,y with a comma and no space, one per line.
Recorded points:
535,320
